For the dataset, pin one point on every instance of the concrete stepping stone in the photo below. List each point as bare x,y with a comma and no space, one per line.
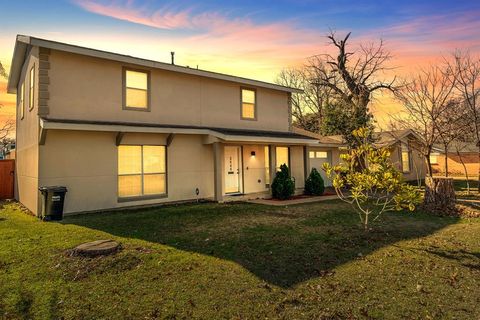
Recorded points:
96,248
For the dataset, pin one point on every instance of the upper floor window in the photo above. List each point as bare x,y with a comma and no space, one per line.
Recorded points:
434,158
22,101
249,104
31,92
136,87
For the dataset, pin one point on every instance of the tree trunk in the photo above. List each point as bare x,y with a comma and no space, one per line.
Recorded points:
464,170
429,165
439,195
446,163
478,180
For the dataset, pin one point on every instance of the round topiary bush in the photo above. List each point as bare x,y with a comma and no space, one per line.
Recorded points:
283,186
314,184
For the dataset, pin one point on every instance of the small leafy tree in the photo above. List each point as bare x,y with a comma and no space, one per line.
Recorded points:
375,186
314,184
283,186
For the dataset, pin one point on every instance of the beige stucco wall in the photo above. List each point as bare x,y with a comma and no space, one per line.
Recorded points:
27,130
86,163
333,159
90,88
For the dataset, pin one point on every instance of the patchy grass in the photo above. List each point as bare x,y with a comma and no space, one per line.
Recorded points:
241,261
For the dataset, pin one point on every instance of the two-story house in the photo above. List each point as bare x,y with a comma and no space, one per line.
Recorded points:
122,131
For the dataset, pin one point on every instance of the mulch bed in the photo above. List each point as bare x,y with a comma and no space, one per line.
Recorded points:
305,196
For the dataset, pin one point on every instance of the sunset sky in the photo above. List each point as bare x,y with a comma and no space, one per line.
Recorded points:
254,39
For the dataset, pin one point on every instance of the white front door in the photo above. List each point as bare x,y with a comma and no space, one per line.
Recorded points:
232,169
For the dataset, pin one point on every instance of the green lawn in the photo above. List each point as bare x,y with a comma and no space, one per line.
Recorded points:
241,261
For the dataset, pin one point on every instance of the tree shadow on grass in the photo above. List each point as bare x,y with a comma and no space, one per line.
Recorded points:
468,259
283,246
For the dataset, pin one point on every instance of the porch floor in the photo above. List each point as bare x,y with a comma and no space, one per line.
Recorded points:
247,197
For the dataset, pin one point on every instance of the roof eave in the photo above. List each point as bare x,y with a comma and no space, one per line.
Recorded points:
130,128
19,54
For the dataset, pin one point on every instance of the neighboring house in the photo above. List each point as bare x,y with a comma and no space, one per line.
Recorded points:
8,151
402,155
120,131
468,155
10,155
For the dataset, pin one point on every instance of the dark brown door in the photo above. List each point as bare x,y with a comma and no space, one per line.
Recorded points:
7,174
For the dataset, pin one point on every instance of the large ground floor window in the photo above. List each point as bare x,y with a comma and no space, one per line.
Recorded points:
282,157
141,170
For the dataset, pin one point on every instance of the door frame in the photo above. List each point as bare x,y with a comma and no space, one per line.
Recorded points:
240,169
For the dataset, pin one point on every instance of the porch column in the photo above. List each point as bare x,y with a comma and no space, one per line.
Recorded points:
273,162
218,174
306,161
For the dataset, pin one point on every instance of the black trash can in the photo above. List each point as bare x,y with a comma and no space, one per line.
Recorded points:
52,202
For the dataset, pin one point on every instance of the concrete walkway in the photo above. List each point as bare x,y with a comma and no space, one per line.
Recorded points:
279,203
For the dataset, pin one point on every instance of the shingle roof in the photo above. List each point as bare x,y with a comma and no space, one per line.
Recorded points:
382,138
225,131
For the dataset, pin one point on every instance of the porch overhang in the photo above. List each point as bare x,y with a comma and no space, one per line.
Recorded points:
212,135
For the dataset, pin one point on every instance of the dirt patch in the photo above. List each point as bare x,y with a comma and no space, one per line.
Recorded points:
77,268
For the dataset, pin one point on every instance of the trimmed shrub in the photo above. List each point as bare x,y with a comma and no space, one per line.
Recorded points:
314,184
283,186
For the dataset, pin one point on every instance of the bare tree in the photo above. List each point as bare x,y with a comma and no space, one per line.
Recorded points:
307,108
460,145
425,98
354,76
452,123
467,73
9,125
3,73
345,81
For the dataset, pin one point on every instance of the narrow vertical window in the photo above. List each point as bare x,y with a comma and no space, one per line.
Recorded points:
31,92
141,171
249,104
136,90
282,155
22,101
406,161
267,166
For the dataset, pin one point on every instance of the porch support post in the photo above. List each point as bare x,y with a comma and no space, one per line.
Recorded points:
273,162
218,174
306,161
